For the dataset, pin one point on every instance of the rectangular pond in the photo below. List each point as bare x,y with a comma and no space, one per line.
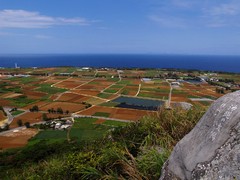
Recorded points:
138,103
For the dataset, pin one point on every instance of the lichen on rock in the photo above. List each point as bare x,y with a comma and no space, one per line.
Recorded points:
212,149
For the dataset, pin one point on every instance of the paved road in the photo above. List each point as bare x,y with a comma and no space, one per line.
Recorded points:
9,115
168,106
99,117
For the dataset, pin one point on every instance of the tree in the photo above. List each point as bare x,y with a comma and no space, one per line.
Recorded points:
44,117
27,124
19,122
35,108
59,110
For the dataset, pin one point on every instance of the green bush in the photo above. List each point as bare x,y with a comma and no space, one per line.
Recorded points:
135,151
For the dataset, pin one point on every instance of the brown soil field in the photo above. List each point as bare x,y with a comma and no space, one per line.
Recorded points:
5,102
118,113
99,121
53,97
11,95
34,94
179,99
17,139
71,107
27,87
93,87
71,97
39,104
32,117
102,82
136,81
95,101
87,92
69,84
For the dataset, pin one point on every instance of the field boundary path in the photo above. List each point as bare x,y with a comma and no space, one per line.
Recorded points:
100,117
9,115
168,105
60,82
139,88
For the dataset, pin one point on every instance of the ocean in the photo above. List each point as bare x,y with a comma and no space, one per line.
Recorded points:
200,62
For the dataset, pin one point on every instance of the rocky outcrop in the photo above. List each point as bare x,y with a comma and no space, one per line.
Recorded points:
212,149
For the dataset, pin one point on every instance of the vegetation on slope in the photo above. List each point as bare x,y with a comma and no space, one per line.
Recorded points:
136,151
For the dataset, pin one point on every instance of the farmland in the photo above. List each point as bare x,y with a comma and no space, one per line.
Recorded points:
99,99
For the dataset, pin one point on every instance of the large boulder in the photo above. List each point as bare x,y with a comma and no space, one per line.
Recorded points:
212,149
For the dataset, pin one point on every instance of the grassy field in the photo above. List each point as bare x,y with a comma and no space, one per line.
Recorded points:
111,90
84,129
101,114
50,90
21,101
50,135
104,95
15,113
24,80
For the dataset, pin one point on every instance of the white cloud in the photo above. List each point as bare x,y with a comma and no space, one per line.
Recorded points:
230,9
170,22
29,19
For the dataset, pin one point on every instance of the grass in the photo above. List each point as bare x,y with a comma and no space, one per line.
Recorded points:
24,80
101,114
109,104
21,101
15,113
117,86
50,90
205,103
124,82
104,95
125,92
109,90
129,152
50,135
115,123
142,94
113,79
85,129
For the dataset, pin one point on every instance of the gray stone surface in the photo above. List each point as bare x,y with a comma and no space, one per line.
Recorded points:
212,149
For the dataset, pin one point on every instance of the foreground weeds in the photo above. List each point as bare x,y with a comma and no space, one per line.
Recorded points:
136,151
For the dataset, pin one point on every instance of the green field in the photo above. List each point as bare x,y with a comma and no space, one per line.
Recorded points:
50,90
101,114
109,90
15,113
84,129
104,95
21,101
24,80
109,104
50,135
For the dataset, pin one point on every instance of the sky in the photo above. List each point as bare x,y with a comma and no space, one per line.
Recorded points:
120,27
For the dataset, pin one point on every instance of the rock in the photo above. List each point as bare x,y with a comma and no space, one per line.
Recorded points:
212,149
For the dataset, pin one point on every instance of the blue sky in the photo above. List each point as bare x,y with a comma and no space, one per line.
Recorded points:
124,26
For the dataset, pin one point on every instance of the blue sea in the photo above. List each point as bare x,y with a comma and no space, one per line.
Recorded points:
200,62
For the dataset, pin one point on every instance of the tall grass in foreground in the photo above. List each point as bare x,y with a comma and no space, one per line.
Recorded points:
136,151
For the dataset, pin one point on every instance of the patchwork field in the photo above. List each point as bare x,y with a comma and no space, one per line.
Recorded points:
71,107
116,113
106,93
16,139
